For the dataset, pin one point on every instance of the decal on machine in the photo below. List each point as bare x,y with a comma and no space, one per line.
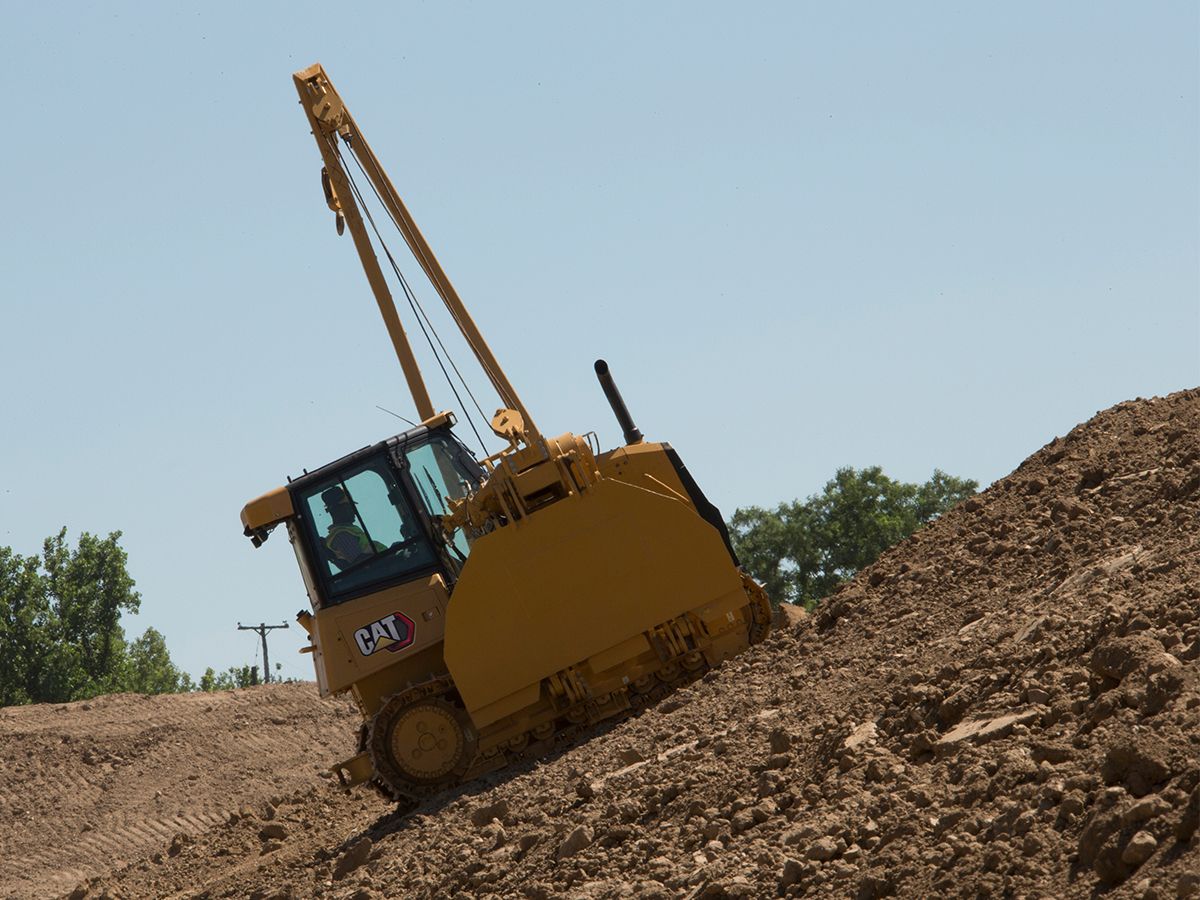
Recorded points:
393,632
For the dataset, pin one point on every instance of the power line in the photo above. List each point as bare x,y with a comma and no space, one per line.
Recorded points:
261,629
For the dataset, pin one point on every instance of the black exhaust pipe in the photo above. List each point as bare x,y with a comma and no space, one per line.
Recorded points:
624,419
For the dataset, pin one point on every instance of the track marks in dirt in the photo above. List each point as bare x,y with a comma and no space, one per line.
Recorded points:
99,785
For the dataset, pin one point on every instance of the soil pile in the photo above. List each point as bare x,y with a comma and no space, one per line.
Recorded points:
1006,704
92,787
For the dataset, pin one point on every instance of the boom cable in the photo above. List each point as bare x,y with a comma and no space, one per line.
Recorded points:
420,254
450,309
413,303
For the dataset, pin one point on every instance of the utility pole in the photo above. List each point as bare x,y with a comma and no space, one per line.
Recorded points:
262,628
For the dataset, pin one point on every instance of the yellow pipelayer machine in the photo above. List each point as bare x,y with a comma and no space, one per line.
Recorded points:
482,612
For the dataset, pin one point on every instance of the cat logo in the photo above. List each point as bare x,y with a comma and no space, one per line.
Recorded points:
393,632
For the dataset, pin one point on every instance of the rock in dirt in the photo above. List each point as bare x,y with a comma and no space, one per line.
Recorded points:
354,857
780,741
527,842
822,850
1141,764
1188,824
579,839
484,814
584,789
1139,849
1187,885
1144,810
861,735
178,842
793,871
983,730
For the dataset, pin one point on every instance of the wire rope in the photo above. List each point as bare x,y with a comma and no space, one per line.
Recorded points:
412,300
466,335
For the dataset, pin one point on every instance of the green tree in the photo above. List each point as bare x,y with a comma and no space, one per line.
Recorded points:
60,625
149,669
25,633
208,681
801,551
88,589
233,677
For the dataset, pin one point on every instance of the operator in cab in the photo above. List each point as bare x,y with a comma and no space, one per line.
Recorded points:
346,542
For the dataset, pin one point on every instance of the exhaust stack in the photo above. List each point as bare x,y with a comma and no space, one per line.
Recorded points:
624,419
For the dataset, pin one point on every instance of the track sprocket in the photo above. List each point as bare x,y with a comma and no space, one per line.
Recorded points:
421,741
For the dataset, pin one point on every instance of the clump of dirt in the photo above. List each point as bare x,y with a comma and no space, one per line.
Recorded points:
1006,704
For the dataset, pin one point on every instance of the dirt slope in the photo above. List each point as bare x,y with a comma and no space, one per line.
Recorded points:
1006,704
89,787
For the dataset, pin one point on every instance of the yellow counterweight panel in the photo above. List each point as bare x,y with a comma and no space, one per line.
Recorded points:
365,635
578,578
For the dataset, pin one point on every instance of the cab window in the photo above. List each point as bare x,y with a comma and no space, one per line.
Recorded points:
363,530
443,471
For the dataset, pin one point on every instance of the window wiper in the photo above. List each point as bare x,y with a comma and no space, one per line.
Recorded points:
424,496
436,493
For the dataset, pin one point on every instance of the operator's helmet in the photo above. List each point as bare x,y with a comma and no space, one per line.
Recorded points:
334,497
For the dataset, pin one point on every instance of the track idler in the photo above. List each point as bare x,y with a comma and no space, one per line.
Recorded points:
760,610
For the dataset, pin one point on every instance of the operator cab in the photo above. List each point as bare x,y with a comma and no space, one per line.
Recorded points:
373,518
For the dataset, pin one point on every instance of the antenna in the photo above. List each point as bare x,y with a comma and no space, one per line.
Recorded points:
262,628
397,415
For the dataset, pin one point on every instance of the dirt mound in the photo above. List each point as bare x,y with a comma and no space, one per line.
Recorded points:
1008,703
89,787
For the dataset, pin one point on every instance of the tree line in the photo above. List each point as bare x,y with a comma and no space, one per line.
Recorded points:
61,637
802,550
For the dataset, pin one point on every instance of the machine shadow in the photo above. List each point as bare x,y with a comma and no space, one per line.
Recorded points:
403,817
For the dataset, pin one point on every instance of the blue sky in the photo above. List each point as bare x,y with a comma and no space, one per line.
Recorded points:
803,235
